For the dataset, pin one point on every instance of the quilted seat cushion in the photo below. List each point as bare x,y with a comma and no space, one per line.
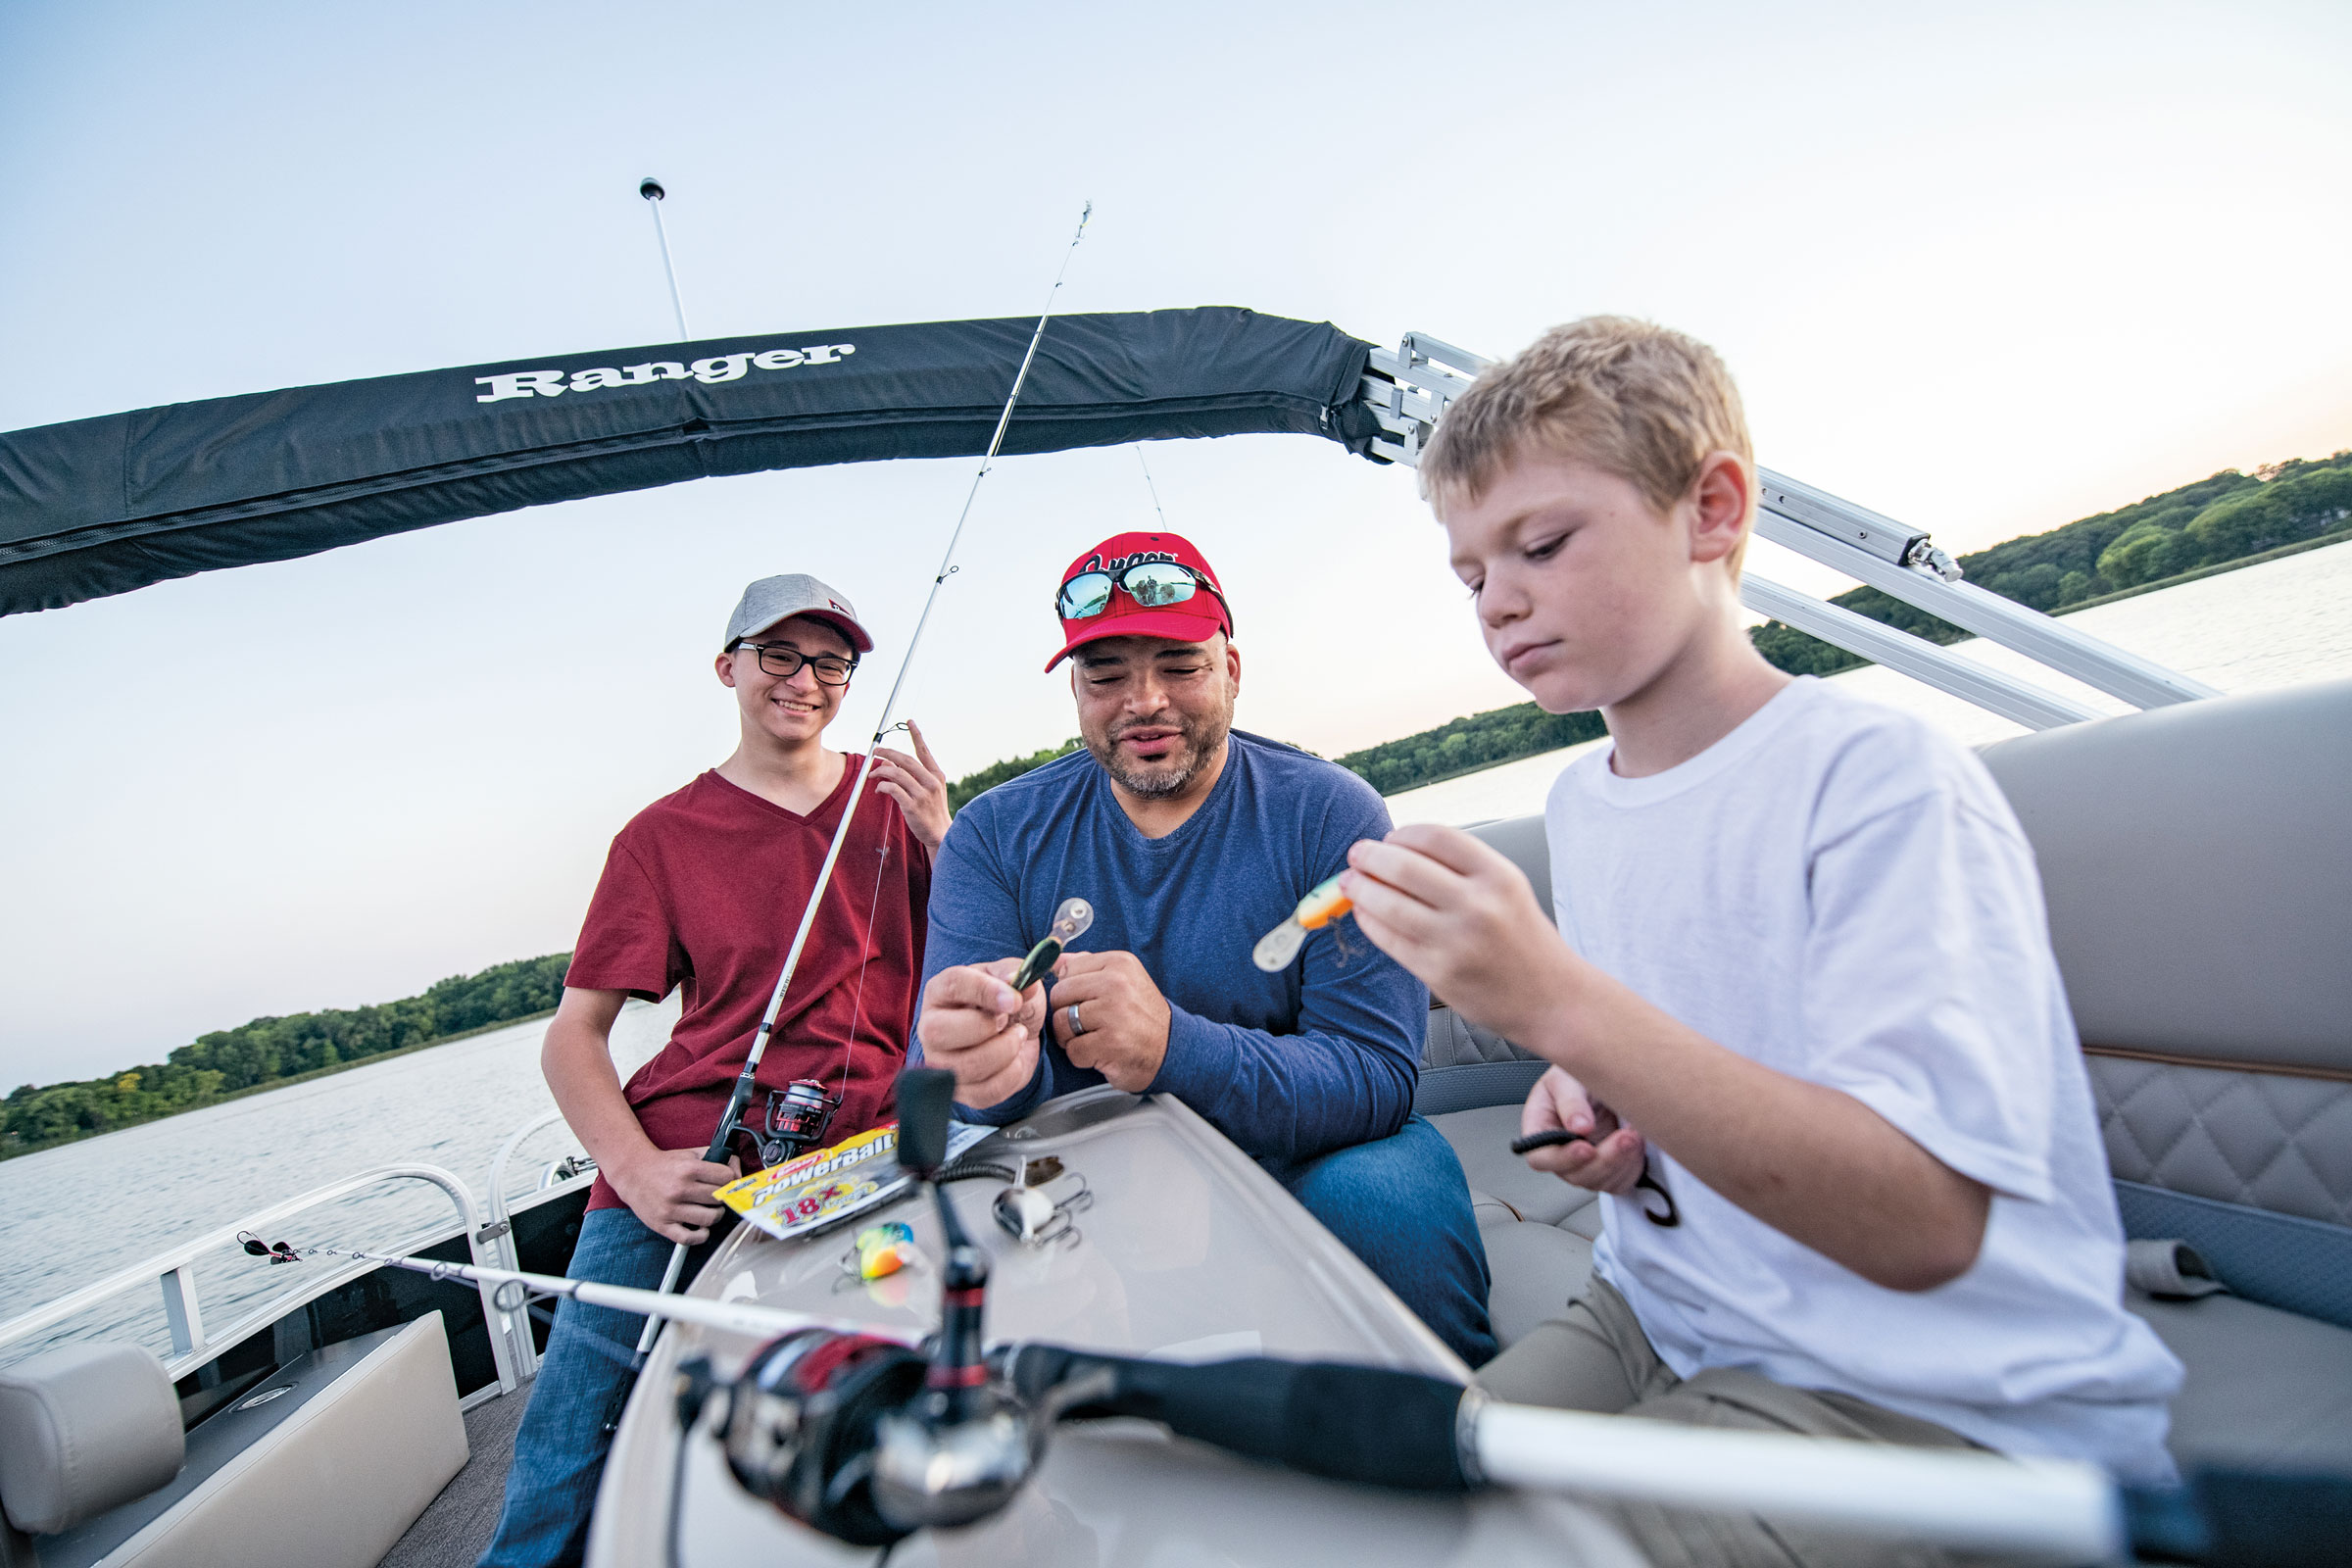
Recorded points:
2268,1140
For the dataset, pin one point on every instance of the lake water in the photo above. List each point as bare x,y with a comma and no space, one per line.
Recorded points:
80,1212
84,1210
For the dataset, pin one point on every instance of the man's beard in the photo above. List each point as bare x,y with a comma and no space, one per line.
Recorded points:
1197,740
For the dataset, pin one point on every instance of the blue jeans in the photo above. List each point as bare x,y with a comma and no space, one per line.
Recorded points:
583,1376
1403,1206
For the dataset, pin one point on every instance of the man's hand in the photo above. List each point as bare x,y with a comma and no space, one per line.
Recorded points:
976,1027
1464,920
1614,1160
920,787
1126,1018
669,1190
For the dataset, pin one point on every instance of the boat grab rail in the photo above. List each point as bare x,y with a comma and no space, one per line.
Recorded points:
1407,390
173,1270
498,1235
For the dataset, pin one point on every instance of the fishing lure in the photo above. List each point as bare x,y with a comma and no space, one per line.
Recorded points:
1278,946
881,1250
1070,922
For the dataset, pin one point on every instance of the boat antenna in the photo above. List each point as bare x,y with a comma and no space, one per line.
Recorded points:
651,189
883,725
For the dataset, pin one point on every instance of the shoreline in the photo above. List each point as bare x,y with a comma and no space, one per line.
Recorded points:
251,1089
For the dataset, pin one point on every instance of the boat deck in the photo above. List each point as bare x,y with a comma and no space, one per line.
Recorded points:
452,1532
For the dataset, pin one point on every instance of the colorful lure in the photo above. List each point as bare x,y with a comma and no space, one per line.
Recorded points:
1316,910
884,1249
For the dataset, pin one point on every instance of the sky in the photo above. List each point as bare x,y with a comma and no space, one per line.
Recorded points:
1985,267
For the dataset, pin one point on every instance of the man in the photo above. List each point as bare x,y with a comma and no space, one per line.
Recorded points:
702,890
1192,839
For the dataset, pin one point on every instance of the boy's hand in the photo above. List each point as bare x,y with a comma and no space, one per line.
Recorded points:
1126,1018
975,1026
1614,1160
1463,919
669,1190
920,787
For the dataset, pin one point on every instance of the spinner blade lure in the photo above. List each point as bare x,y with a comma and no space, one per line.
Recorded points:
1316,910
1069,924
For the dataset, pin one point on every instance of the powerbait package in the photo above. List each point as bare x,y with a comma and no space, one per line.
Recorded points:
831,1184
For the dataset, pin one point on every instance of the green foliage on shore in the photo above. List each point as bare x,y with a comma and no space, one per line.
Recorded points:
2211,522
269,1051
1466,745
988,778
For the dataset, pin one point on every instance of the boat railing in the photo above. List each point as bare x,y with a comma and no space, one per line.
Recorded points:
1407,389
194,1344
499,1234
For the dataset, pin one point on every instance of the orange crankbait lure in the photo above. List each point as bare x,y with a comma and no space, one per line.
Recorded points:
1316,910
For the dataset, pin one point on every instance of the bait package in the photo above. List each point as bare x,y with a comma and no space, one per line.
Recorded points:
1069,924
1322,906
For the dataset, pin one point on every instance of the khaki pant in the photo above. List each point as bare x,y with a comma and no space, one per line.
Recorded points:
1595,1357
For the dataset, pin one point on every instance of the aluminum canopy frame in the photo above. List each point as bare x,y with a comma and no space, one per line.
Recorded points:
1408,388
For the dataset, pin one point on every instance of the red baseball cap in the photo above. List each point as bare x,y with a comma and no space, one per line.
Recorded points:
1192,621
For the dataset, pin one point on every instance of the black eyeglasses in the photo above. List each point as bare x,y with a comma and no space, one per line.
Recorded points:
782,658
1152,584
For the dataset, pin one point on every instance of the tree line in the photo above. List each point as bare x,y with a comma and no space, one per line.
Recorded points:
2211,522
268,1051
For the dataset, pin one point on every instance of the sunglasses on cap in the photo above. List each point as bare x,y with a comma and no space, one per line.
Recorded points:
1152,584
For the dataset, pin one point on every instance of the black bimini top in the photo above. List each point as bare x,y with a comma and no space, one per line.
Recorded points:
98,507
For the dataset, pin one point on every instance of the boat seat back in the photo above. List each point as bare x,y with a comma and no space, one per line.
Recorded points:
2197,863
1464,1066
84,1428
323,1466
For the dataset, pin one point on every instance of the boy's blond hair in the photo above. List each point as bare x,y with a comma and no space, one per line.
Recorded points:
1640,400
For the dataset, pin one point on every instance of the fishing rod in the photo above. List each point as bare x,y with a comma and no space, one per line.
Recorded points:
862,1432
812,1120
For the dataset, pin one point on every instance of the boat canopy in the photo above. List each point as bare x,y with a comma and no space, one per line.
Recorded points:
98,507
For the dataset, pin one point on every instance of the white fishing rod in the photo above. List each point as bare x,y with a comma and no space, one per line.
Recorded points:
741,1096
1406,1432
732,1317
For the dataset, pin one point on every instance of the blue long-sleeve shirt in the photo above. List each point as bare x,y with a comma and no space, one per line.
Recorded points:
1318,1056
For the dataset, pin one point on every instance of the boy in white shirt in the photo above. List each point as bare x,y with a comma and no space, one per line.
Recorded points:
1802,978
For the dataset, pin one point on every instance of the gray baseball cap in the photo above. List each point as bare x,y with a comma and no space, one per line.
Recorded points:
774,599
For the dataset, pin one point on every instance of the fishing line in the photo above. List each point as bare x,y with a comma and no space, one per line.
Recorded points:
744,1080
1149,485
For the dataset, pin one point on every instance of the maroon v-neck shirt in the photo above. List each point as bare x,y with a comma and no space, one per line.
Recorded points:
704,890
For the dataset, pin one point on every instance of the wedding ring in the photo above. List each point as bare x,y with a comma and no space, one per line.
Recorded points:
1077,1025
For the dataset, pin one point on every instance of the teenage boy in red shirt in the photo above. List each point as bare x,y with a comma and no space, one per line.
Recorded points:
1801,977
702,890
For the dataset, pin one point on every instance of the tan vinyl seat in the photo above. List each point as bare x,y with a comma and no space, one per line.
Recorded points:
2197,861
323,1466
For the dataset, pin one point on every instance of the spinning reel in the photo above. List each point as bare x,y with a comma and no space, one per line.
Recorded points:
796,1118
861,1437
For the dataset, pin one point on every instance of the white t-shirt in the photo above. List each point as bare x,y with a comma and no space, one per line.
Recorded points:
1843,894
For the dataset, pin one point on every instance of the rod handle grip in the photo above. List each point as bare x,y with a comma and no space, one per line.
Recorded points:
1369,1425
